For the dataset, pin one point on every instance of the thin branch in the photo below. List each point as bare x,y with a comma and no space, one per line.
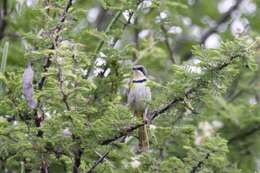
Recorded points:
39,114
77,160
108,28
167,43
57,30
61,80
61,87
244,135
122,134
97,162
102,42
136,39
131,14
47,4
224,18
168,106
241,91
79,150
3,16
130,17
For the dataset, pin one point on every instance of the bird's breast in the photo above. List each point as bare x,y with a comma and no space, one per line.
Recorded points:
139,96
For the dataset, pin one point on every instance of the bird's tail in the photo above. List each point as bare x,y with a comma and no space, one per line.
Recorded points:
143,135
143,139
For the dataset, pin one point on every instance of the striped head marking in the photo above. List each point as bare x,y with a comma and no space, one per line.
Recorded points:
140,69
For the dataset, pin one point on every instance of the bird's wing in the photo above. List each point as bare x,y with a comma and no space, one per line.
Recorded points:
130,94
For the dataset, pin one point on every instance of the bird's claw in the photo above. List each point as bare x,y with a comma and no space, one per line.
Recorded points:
147,120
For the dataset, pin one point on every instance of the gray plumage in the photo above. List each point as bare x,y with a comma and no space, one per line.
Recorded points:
138,98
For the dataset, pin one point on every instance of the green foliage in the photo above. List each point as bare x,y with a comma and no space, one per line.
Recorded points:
82,69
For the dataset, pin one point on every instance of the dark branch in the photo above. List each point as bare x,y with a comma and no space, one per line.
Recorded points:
167,43
77,160
63,16
102,42
135,39
47,3
236,94
224,18
3,15
39,115
57,30
99,161
131,14
244,135
61,87
122,133
108,28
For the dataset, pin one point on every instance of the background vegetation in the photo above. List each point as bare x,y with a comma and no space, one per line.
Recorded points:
65,67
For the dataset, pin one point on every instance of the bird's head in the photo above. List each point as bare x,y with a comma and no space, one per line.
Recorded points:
139,72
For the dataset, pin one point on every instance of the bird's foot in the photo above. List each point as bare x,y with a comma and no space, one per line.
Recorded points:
147,120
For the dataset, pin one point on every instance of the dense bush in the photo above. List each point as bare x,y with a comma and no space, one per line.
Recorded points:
65,69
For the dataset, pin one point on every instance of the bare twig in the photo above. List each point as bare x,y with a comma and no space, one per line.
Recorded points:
47,4
224,18
77,160
78,151
48,62
101,43
136,39
167,43
236,94
130,17
108,28
131,14
39,115
3,15
61,85
57,30
244,135
97,162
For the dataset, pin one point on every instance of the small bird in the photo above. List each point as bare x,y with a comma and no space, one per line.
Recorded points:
138,98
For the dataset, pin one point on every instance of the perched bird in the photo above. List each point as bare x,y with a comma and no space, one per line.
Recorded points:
138,97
